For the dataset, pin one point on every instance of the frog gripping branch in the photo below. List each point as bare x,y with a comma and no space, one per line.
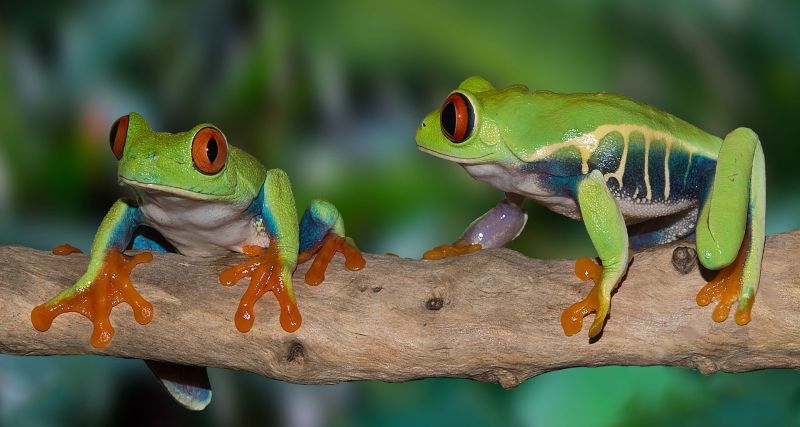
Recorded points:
204,197
637,177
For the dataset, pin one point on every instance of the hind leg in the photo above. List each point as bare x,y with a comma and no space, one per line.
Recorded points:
321,236
730,232
663,230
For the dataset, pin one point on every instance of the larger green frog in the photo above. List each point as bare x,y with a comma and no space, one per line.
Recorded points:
636,177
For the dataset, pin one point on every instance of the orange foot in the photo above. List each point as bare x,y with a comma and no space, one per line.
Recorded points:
109,288
266,274
572,317
460,247
725,288
324,251
66,249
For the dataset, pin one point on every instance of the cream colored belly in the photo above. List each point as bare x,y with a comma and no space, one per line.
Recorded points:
202,228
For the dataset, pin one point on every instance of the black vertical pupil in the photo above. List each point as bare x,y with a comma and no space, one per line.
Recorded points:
212,149
449,118
113,136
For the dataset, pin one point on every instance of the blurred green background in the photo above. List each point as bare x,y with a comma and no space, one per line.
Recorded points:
332,92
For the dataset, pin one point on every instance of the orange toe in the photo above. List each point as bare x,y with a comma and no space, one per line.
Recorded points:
725,288
324,251
66,249
264,271
572,317
460,247
111,287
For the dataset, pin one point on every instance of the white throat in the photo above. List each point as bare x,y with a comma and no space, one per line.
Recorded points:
200,227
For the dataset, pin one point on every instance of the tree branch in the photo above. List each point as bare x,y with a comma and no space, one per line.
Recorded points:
491,316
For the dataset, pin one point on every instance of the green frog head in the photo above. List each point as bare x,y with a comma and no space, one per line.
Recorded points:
473,124
197,164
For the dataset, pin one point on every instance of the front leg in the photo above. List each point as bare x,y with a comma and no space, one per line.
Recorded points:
502,224
271,268
606,228
106,281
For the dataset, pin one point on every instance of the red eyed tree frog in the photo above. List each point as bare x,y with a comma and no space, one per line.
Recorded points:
204,197
636,177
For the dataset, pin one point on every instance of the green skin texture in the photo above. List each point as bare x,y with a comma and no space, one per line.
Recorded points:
163,161
514,128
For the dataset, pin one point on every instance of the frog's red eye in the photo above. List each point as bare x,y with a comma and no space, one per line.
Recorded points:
457,118
209,150
117,136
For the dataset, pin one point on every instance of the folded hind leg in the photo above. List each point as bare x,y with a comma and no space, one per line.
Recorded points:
730,231
321,236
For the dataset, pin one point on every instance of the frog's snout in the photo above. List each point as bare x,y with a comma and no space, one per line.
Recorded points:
427,131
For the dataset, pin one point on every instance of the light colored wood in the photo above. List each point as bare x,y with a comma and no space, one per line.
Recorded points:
491,316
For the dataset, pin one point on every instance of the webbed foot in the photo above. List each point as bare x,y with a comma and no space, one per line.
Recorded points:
266,273
324,251
66,249
726,289
572,317
460,247
95,298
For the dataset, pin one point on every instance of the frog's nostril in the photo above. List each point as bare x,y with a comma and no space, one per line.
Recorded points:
424,124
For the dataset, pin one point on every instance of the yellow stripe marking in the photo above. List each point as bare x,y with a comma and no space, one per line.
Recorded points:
620,172
666,170
649,194
587,143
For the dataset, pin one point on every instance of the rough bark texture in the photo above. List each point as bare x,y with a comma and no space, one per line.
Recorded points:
491,316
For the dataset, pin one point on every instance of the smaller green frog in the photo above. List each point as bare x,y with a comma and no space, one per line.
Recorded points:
636,176
202,197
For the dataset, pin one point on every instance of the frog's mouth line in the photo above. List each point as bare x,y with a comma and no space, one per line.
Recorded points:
467,160
180,192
